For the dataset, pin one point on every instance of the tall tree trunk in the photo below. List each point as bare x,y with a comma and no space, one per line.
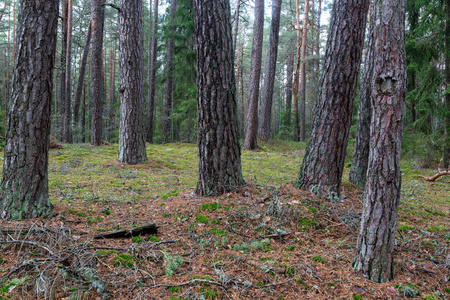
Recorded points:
81,75
376,239
264,123
218,142
303,75
251,119
97,100
168,101
289,74
68,92
152,76
112,92
358,170
83,116
323,163
24,184
62,105
447,82
296,84
317,43
236,24
131,130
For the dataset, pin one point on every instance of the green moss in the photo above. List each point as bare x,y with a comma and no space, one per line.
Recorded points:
124,259
319,259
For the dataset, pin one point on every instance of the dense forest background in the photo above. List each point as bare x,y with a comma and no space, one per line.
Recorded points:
426,109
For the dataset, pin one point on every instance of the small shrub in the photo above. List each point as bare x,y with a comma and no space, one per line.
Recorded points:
137,239
154,238
319,259
172,263
357,297
202,219
124,260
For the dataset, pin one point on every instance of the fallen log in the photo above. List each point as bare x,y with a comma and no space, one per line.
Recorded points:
141,230
433,178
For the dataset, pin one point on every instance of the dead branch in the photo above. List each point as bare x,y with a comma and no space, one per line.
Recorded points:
142,230
433,178
29,243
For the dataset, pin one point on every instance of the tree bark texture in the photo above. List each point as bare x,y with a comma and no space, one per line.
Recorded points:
251,119
152,76
302,133
375,246
168,101
236,24
82,73
131,131
68,85
218,137
97,99
296,84
264,123
358,170
62,105
112,91
323,163
289,74
447,82
24,184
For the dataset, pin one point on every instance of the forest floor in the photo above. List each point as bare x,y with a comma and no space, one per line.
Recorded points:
266,240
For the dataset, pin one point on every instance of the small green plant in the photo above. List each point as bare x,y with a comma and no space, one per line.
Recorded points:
357,297
172,263
319,259
175,289
447,290
106,252
154,238
128,174
209,293
170,194
210,206
124,259
406,228
306,223
166,215
137,239
107,212
202,219
290,248
81,214
436,228
94,220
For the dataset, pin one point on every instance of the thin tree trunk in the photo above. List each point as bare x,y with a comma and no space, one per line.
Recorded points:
303,75
62,105
152,76
81,75
358,170
68,92
168,101
251,119
112,92
289,74
297,72
24,184
447,81
323,163
376,239
97,99
131,130
83,116
236,24
264,123
218,142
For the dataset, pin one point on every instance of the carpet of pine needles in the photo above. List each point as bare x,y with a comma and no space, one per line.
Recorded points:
261,241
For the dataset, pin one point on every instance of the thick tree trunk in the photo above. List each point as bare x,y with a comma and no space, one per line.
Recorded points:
302,136
375,246
152,76
97,100
264,123
62,105
82,73
323,163
358,170
131,131
68,85
168,101
218,142
24,184
112,92
289,74
251,119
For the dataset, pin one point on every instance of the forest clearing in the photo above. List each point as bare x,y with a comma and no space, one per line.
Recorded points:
266,240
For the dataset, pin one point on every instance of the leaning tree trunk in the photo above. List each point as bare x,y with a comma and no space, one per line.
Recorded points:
24,185
358,170
80,84
251,118
323,163
131,131
168,101
376,239
218,142
152,76
302,135
264,123
97,99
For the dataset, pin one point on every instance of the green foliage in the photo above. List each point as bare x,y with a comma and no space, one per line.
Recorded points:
124,259
210,206
202,219
357,297
137,239
406,228
172,263
319,259
154,238
263,245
